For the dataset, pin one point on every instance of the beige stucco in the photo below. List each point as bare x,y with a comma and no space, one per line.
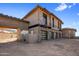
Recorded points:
36,17
12,23
68,33
33,19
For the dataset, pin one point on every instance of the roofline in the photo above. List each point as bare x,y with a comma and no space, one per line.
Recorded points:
51,14
17,19
44,10
68,29
30,12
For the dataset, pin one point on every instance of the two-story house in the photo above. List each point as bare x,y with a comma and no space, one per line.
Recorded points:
44,25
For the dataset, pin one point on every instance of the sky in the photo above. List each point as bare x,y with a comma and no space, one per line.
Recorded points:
67,12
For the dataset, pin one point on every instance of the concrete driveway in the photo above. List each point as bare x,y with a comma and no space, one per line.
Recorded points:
59,47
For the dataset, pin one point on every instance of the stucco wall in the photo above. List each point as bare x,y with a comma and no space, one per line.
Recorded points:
41,19
6,22
33,18
68,33
9,22
33,35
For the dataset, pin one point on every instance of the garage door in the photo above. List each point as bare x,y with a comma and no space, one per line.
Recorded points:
52,35
44,35
8,35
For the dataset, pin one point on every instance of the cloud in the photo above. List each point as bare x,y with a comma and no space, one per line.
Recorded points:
64,6
71,5
78,14
61,7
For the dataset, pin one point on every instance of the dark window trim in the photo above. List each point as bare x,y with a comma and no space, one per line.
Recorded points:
45,17
53,22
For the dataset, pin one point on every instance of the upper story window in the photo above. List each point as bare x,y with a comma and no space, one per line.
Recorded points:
53,25
59,25
45,18
56,23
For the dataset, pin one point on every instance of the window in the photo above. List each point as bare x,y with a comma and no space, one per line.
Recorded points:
45,18
53,22
59,25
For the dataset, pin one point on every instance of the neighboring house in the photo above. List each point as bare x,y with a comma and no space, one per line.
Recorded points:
44,25
68,33
12,23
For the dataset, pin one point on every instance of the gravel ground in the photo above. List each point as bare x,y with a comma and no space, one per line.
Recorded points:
58,47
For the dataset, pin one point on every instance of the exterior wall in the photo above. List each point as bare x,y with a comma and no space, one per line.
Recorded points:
24,35
68,33
34,35
41,19
36,17
55,23
55,36
49,20
12,23
7,22
33,19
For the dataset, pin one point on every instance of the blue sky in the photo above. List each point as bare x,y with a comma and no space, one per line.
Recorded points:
67,12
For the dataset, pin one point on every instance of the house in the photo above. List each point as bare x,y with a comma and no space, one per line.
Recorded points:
39,24
68,33
44,25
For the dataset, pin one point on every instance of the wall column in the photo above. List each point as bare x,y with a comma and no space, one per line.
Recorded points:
54,35
49,35
18,34
57,35
61,35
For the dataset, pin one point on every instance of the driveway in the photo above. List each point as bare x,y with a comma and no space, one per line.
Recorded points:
58,47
